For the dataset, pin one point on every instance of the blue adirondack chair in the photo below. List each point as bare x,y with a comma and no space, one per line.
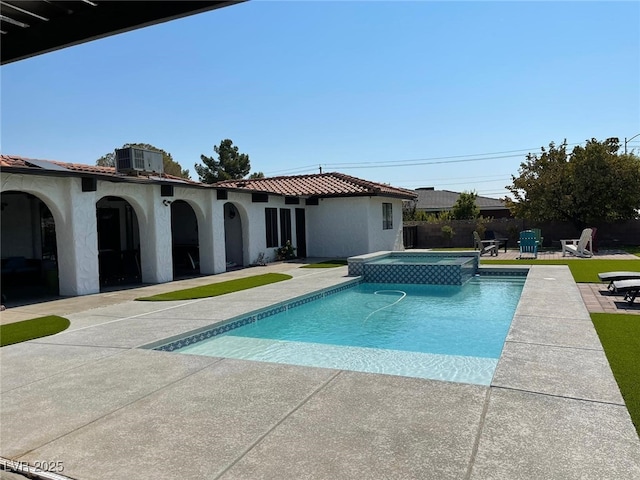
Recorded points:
539,236
528,243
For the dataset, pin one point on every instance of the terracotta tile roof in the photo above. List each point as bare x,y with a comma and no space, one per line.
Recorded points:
332,184
15,161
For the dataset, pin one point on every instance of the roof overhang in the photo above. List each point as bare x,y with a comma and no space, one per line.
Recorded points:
318,195
35,27
99,176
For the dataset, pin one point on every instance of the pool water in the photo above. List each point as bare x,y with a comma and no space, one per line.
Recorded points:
446,332
420,260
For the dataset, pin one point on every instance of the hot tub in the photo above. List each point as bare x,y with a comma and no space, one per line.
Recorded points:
427,267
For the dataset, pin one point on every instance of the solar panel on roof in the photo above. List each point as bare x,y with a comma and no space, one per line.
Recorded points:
47,165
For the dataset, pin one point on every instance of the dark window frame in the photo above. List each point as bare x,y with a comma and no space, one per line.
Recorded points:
271,227
387,216
285,226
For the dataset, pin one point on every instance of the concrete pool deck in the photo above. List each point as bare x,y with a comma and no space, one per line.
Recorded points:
88,398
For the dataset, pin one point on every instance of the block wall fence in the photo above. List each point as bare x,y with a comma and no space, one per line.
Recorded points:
430,235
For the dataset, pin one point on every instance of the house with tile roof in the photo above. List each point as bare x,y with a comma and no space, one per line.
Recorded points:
78,229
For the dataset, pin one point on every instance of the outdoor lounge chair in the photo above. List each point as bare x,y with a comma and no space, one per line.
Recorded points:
539,236
579,247
616,276
485,246
630,288
528,243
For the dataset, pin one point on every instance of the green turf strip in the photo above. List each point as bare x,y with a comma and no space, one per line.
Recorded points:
220,288
327,264
583,270
620,338
30,329
633,250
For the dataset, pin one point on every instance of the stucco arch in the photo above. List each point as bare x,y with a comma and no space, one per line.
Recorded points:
31,244
138,208
195,206
185,238
236,237
120,239
47,197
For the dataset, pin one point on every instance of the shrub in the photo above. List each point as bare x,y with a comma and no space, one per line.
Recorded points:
286,252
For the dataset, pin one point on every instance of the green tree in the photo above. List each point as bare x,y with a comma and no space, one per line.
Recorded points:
592,184
230,165
171,167
465,207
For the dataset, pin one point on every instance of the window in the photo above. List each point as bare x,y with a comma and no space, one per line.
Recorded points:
259,197
387,216
271,226
285,225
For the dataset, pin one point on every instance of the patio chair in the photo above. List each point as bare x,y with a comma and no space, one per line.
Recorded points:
616,276
579,247
485,246
528,243
499,239
630,288
594,242
539,236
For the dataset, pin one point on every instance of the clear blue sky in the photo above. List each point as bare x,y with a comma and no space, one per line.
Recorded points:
379,90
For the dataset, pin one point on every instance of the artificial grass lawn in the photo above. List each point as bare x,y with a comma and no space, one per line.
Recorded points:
30,329
327,264
583,270
220,288
620,338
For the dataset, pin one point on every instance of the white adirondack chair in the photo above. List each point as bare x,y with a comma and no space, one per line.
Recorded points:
581,247
485,246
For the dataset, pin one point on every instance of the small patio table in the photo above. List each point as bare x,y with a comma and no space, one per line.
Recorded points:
502,242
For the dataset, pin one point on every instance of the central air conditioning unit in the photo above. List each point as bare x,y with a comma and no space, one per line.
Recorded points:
136,160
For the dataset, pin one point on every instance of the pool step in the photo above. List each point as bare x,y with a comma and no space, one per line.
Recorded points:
453,368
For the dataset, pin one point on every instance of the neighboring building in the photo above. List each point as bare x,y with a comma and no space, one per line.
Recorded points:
78,228
431,200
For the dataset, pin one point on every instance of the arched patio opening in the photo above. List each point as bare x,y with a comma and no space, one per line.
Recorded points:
29,249
118,242
184,240
233,236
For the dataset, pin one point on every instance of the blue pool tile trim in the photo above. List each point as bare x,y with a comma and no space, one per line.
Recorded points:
251,318
503,273
422,274
419,272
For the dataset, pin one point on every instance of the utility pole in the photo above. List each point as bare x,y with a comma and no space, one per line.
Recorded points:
627,140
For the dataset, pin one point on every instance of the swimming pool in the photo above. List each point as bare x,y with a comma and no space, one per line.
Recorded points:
445,332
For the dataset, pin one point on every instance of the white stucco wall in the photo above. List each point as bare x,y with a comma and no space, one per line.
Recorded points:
74,213
208,213
338,227
254,232
343,227
75,221
380,239
77,242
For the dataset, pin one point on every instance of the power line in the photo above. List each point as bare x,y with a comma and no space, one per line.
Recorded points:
418,163
496,178
452,158
302,169
415,162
